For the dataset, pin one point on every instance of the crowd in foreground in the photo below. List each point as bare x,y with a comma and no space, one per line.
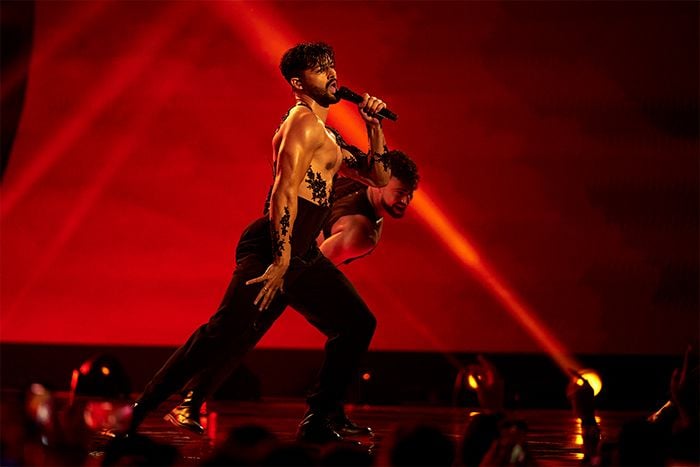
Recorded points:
69,436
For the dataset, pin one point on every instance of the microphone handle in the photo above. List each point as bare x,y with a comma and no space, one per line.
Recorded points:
349,95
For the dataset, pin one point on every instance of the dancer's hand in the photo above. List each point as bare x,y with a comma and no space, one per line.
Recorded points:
273,280
369,109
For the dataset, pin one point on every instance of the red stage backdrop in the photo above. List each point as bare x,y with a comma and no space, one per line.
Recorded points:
560,138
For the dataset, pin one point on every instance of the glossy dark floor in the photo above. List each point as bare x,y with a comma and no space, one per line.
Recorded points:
554,435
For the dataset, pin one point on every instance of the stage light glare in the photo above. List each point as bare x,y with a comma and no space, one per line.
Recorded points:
472,382
38,389
593,379
107,416
43,414
38,404
366,376
578,440
74,381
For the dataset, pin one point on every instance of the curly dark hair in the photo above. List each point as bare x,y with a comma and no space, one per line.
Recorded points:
403,168
306,56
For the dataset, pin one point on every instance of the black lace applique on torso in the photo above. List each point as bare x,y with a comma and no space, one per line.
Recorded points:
314,181
357,158
318,186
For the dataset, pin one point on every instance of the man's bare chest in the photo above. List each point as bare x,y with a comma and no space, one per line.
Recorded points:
328,156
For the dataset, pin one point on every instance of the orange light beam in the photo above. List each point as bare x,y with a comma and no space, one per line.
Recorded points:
419,326
462,248
264,30
120,151
96,102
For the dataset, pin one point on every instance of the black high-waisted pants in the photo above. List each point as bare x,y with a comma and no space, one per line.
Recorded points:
312,285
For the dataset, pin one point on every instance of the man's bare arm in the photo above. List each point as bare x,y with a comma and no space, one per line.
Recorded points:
301,136
351,237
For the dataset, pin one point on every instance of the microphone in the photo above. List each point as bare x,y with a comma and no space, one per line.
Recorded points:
348,95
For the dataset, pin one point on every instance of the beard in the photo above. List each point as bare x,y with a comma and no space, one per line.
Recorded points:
393,210
323,96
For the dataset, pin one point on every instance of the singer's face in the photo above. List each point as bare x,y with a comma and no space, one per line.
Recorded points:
396,197
321,84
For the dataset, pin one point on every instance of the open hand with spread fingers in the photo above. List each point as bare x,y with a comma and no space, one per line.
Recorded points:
273,280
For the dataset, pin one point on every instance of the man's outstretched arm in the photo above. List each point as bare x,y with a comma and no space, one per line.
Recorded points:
300,139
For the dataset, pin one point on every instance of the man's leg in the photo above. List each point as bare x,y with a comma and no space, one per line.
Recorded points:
228,335
329,301
205,383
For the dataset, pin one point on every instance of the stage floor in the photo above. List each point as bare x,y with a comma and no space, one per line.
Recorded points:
554,435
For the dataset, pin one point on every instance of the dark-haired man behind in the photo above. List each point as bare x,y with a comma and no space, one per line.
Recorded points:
355,225
279,264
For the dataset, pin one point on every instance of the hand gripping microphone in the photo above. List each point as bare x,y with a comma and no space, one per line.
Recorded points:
348,95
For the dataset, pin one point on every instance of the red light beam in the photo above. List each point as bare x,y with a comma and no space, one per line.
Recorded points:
466,253
59,38
96,102
120,151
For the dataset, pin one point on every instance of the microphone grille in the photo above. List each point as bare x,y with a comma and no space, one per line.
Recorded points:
347,94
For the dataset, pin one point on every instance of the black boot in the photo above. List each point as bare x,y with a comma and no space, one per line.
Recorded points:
342,425
316,427
186,415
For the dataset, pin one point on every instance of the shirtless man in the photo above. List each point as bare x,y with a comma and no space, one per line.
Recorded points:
279,264
355,225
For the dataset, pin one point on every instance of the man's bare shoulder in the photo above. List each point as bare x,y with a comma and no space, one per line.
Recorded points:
359,228
303,123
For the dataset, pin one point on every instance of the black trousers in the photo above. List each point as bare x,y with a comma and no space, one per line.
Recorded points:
314,287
